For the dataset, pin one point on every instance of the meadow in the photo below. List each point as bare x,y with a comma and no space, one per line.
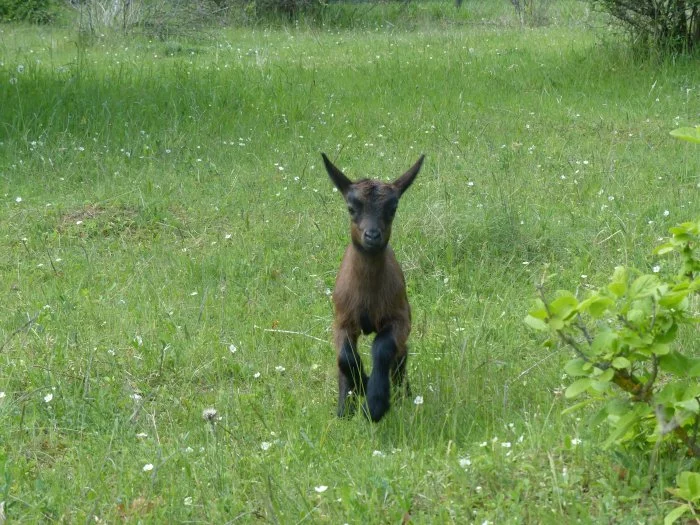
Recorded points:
169,241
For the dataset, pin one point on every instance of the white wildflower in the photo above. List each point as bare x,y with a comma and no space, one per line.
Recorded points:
148,467
321,488
209,414
418,400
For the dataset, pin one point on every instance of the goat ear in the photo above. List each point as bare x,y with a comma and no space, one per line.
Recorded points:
405,180
338,177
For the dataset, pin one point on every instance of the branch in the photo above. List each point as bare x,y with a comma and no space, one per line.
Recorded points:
295,333
632,385
584,330
29,322
646,389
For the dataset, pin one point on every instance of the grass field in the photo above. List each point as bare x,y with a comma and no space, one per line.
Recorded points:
169,242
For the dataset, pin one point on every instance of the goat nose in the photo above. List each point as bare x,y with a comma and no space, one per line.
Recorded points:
372,235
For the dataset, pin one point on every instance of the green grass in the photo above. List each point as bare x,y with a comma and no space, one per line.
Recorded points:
173,204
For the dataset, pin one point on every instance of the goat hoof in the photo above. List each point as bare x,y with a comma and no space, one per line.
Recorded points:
375,408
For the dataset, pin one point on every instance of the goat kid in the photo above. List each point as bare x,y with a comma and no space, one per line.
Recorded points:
370,294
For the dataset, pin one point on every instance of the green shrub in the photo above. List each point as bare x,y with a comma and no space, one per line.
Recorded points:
35,11
666,24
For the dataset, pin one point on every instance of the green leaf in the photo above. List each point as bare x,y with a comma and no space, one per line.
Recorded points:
596,305
690,227
659,349
618,285
535,323
665,248
539,310
621,427
674,363
621,362
644,286
669,335
687,134
575,367
578,406
676,513
563,306
578,387
689,483
694,368
604,342
556,324
605,376
671,299
691,405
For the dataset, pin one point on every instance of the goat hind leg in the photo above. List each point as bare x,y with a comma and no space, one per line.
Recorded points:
351,377
398,376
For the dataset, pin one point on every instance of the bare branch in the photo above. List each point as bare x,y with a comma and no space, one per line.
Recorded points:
27,324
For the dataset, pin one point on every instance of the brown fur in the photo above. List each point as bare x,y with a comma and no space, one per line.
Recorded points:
371,285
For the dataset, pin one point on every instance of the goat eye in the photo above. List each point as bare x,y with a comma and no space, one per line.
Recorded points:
351,210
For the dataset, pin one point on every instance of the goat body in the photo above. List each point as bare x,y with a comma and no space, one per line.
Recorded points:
370,294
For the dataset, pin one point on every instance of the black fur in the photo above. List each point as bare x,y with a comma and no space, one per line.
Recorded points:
352,378
379,385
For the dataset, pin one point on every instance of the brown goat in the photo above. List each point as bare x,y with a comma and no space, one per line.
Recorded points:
370,294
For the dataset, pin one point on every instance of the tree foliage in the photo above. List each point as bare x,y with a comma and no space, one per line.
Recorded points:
35,11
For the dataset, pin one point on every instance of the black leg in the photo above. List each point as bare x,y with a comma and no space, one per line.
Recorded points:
352,380
378,386
399,377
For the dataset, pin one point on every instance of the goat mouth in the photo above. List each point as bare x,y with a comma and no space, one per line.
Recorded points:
373,246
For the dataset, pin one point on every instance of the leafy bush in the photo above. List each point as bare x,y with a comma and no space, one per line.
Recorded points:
35,11
623,338
668,24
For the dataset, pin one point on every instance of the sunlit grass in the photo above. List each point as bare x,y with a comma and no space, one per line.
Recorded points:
169,241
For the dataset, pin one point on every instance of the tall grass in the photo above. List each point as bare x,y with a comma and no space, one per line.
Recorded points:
169,241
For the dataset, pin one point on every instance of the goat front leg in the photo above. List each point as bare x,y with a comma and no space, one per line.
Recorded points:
351,375
384,354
